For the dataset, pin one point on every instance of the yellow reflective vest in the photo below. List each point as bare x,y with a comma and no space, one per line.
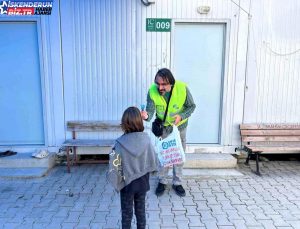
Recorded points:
178,98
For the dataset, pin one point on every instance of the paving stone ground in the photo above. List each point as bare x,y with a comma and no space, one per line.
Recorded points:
83,199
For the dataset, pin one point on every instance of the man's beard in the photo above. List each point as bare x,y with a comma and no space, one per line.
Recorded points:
162,92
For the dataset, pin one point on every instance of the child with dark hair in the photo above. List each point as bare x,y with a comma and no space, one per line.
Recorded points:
138,159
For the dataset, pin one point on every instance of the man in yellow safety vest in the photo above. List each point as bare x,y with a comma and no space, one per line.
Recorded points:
181,106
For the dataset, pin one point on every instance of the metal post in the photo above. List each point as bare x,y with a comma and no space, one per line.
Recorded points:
257,165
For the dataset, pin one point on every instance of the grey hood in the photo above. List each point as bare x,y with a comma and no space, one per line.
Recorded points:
135,143
138,156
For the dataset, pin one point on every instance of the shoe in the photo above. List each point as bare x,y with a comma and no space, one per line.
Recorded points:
40,154
7,153
160,189
179,190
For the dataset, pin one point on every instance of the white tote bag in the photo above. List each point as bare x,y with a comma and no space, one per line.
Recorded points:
169,150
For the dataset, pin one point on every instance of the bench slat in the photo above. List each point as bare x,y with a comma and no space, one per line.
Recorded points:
267,144
91,126
89,142
271,139
272,126
275,149
271,132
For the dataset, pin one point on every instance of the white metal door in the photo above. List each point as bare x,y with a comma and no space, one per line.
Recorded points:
198,60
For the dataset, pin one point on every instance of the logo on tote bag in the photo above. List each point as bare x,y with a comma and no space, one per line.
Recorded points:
166,145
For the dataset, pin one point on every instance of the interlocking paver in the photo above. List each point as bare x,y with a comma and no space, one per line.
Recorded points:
84,199
182,224
191,210
222,220
187,201
227,205
294,224
212,224
207,215
39,225
153,216
260,215
268,224
194,221
226,227
251,221
239,223
211,200
11,225
180,217
217,209
201,204
73,217
53,226
68,225
99,218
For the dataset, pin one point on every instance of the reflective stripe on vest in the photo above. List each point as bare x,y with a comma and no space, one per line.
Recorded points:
175,106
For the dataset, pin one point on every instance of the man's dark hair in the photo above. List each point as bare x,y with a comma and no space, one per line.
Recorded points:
166,75
132,120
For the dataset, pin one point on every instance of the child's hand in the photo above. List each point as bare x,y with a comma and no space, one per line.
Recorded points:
177,119
144,115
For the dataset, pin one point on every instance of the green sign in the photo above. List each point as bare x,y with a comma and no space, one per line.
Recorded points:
158,25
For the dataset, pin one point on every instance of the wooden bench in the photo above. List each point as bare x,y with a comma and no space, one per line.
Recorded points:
269,138
88,126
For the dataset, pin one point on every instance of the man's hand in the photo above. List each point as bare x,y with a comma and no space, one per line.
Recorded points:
144,115
177,119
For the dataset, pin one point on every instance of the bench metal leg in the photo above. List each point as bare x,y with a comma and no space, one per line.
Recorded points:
75,155
257,164
68,159
248,157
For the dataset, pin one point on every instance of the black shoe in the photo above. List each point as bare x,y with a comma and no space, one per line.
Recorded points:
179,190
160,189
7,153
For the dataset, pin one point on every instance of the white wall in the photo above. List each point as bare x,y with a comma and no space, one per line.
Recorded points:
110,60
273,85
